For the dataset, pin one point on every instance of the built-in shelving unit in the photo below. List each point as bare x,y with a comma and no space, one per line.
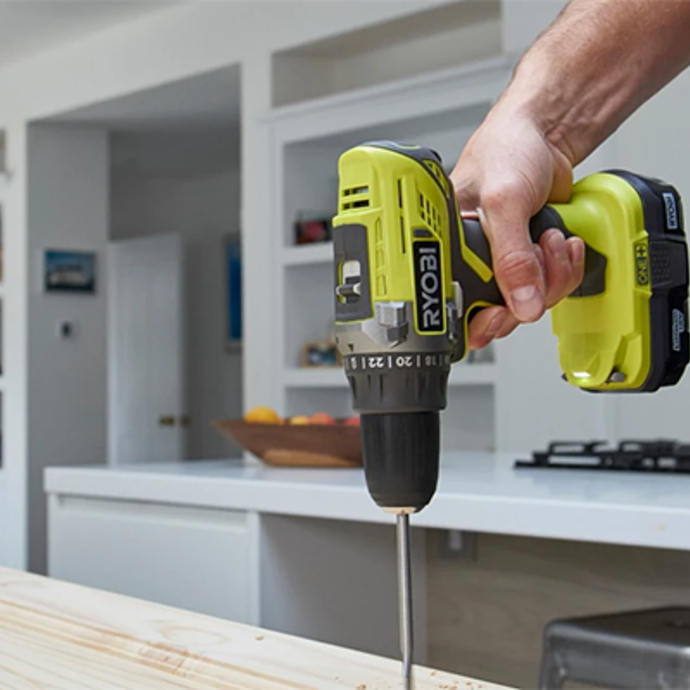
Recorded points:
304,255
417,44
441,111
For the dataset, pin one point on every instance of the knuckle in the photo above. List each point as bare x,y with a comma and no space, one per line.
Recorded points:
519,267
507,330
500,196
573,280
561,276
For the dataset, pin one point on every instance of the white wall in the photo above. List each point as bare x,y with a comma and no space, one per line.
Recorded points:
67,209
14,512
203,208
524,20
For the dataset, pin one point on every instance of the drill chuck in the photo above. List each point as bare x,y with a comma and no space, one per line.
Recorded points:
399,398
401,458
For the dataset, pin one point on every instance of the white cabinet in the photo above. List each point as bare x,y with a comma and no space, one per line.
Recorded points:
193,558
303,576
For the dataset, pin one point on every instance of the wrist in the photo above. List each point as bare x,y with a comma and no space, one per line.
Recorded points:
537,94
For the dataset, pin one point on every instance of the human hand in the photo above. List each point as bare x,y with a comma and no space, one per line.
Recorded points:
506,173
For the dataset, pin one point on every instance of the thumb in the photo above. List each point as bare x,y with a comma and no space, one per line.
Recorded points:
518,270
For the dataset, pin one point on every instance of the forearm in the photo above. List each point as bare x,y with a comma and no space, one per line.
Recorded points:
596,65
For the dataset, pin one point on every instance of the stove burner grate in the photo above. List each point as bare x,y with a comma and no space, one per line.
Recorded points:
659,456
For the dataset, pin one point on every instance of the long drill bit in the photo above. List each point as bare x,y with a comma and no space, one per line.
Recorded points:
405,597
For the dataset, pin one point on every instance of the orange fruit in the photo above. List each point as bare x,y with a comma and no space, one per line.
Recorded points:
263,415
352,421
322,418
299,420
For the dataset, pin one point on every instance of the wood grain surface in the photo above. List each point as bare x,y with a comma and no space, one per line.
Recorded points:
59,636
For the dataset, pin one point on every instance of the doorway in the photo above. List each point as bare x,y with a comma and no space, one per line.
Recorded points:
173,189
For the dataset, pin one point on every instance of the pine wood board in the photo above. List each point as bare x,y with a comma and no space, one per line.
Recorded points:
60,636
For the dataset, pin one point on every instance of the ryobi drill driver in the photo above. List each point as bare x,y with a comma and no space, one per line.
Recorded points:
410,275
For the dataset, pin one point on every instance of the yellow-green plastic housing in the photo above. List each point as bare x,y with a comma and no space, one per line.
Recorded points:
392,194
609,332
398,191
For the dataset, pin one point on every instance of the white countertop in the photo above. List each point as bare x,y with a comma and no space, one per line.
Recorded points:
477,492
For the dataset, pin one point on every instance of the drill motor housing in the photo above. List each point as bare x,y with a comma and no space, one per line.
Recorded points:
410,274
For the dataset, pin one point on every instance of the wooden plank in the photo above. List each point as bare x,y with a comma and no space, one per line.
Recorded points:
67,637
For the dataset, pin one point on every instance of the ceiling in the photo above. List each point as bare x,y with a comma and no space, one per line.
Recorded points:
28,27
205,101
445,17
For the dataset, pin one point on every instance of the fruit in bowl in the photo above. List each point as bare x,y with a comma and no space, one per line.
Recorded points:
322,418
263,415
318,440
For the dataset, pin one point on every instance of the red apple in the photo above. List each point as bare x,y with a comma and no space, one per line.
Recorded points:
322,418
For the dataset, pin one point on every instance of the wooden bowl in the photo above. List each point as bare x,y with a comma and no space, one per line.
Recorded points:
310,445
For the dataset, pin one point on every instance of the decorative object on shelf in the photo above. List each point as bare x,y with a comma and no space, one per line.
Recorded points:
233,277
311,227
321,354
69,271
297,445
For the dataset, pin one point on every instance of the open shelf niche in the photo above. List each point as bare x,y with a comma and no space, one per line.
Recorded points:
419,43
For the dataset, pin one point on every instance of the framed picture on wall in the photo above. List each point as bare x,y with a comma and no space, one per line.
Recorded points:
233,288
69,271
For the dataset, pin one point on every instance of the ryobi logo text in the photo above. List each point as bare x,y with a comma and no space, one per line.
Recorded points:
429,293
671,211
677,329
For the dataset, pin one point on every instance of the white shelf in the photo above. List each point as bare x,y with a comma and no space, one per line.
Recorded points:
317,253
461,375
315,377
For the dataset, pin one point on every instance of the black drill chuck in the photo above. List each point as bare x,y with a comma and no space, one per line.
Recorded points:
401,458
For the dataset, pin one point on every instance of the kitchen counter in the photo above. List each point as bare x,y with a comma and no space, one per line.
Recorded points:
477,492
64,636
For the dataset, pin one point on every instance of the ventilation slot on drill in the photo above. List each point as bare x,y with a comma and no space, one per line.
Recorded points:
429,214
402,218
354,197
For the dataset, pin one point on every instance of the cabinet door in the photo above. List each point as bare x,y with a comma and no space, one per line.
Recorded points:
192,558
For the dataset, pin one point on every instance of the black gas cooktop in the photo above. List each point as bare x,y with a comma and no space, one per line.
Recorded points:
664,456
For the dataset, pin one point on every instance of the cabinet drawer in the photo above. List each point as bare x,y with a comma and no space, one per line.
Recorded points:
192,558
